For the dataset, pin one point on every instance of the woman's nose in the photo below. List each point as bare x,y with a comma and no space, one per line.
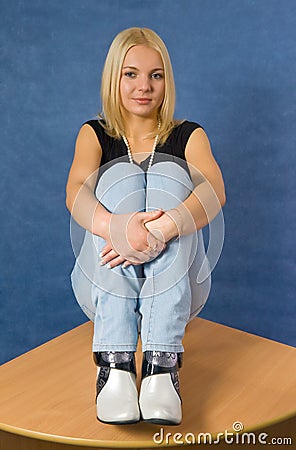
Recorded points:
144,83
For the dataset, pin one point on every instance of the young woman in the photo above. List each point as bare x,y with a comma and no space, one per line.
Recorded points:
142,185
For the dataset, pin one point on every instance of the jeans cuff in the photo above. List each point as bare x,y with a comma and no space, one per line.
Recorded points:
114,348
172,348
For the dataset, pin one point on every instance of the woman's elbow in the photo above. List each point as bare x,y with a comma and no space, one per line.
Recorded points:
69,201
222,198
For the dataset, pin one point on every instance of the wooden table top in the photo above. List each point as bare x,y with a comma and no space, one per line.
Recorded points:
228,376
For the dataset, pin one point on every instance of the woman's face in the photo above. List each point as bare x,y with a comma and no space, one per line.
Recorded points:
142,82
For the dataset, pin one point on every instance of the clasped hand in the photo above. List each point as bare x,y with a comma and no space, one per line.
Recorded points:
129,241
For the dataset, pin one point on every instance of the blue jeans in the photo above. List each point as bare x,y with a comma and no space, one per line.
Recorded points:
157,298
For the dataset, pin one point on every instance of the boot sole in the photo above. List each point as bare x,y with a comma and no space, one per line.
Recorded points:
161,421
118,422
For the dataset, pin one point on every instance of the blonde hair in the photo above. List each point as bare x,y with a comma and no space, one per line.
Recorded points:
110,85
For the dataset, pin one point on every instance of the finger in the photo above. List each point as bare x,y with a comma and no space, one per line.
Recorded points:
115,262
151,215
154,252
106,253
108,257
130,263
126,264
154,243
106,249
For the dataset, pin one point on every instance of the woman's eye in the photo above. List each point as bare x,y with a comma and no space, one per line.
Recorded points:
130,74
157,76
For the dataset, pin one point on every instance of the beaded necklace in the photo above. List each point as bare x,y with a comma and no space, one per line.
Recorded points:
129,153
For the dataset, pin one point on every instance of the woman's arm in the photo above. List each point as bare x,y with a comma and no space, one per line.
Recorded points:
80,198
207,198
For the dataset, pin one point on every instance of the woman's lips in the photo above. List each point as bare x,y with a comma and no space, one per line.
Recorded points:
142,101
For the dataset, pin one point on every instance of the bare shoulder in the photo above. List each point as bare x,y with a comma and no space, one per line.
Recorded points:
201,161
198,148
198,144
87,137
87,157
88,148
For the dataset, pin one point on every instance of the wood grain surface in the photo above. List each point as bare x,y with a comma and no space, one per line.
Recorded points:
228,376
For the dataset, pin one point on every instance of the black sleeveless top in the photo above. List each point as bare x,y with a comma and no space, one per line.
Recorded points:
173,149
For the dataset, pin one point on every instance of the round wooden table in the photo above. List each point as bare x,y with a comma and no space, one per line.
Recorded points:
231,381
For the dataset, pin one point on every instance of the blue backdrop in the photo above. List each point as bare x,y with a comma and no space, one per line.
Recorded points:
235,66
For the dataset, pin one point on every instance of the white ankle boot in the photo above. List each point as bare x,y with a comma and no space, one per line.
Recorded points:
117,396
160,400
